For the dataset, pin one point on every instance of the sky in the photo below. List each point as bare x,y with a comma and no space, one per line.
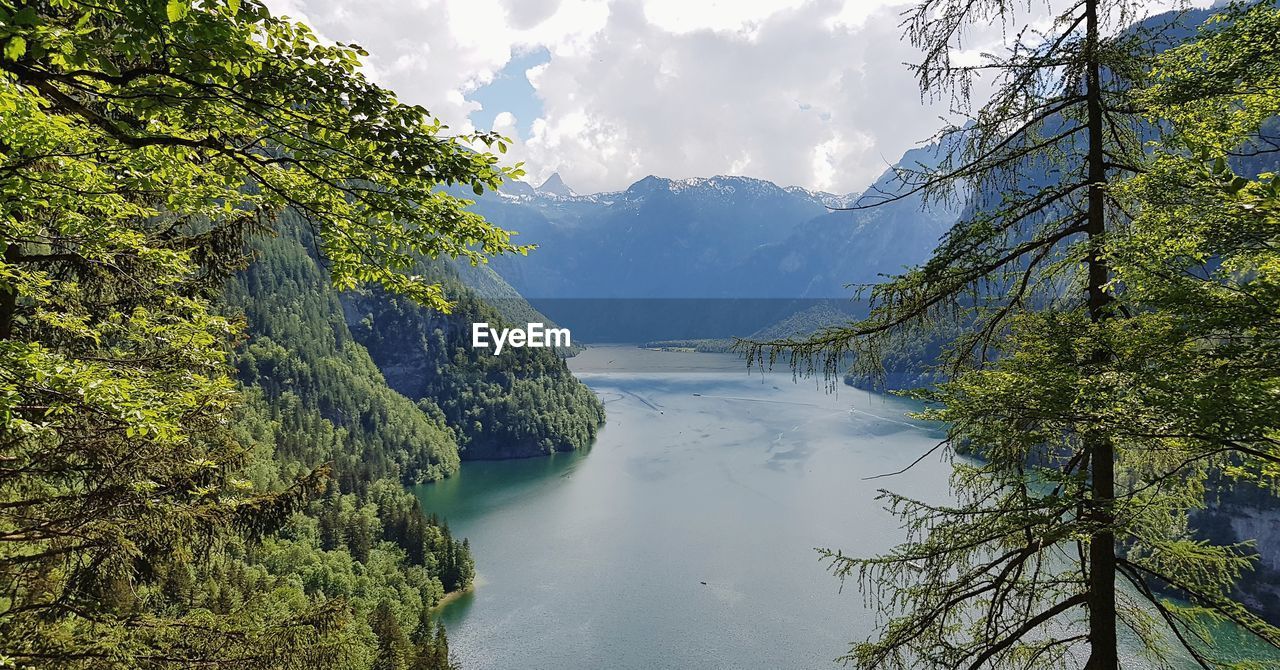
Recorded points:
810,93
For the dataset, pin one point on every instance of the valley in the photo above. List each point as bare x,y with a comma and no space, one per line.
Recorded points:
523,364
685,535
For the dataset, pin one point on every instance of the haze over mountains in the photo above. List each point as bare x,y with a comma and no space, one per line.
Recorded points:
728,236
745,251
713,237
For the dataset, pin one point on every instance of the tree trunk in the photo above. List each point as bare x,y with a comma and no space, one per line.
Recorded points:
1102,558
8,295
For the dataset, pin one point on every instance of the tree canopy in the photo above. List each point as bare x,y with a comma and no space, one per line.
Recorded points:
1110,285
143,146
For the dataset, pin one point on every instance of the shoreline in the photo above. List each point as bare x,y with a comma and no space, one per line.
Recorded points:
454,595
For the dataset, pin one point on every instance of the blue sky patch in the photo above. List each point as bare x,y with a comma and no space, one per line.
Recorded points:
510,91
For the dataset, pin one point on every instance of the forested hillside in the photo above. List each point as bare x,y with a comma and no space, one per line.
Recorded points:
317,398
199,465
1109,304
238,279
522,403
302,357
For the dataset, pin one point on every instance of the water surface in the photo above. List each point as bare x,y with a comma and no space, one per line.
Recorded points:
685,537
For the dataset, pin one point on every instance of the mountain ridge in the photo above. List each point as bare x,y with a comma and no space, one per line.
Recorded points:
625,256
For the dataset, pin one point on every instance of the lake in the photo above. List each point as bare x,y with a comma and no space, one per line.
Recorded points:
685,537
703,473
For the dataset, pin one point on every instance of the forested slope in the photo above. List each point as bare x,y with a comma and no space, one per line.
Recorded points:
315,398
201,466
524,402
302,357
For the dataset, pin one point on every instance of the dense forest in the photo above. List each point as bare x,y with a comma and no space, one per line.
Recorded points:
522,403
317,395
233,333
201,465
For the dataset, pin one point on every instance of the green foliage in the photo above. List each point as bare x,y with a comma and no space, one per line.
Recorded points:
324,389
706,346
1200,267
908,362
524,402
1114,319
316,397
150,514
208,98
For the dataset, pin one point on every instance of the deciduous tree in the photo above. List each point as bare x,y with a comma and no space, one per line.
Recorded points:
142,144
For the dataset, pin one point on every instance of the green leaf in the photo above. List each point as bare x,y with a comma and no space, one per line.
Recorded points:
26,17
177,10
14,48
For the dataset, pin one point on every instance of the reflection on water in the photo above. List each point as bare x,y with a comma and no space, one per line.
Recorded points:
458,606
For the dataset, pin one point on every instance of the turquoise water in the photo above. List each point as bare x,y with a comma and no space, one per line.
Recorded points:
685,538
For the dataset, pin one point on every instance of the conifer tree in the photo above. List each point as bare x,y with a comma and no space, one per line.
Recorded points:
393,644
1079,483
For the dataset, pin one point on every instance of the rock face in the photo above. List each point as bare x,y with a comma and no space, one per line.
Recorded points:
1263,526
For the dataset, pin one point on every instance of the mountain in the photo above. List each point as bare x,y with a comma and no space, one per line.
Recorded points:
400,383
705,257
314,402
554,185
487,285
821,256
660,238
522,403
381,395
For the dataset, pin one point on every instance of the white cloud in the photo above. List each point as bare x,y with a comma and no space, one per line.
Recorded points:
854,13
437,52
806,92
683,16
797,99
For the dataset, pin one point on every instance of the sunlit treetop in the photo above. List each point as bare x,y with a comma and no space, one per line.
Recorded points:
249,113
